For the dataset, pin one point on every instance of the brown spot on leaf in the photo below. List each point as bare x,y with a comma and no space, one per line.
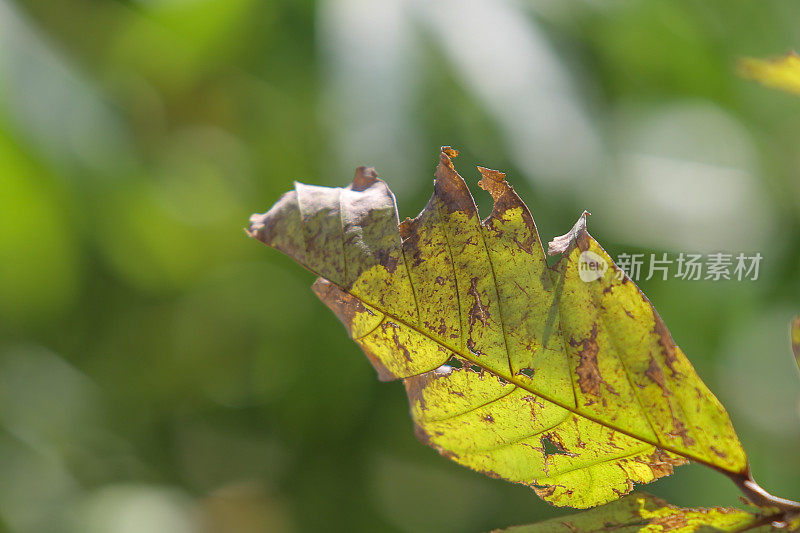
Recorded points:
655,375
491,473
718,453
387,260
621,493
415,385
396,338
406,228
441,329
533,400
679,430
545,492
589,377
660,469
611,442
670,523
479,310
472,347
661,463
422,435
666,343
572,527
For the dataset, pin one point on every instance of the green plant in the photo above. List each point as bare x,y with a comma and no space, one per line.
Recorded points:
561,377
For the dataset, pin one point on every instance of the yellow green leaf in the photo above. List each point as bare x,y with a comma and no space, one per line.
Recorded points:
562,378
643,513
796,339
780,73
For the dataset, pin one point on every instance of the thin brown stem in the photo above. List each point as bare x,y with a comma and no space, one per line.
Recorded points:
760,497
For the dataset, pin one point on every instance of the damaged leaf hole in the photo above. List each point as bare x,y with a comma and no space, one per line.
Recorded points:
527,372
552,447
455,362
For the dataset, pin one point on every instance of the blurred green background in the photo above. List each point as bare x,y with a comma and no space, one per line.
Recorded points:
160,372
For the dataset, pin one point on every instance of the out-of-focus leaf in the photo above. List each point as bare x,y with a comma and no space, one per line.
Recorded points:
562,378
642,512
780,73
38,270
796,339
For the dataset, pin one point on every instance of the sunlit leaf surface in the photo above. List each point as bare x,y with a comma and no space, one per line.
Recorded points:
563,378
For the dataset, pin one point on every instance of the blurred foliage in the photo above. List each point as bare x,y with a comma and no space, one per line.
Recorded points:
156,366
781,73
